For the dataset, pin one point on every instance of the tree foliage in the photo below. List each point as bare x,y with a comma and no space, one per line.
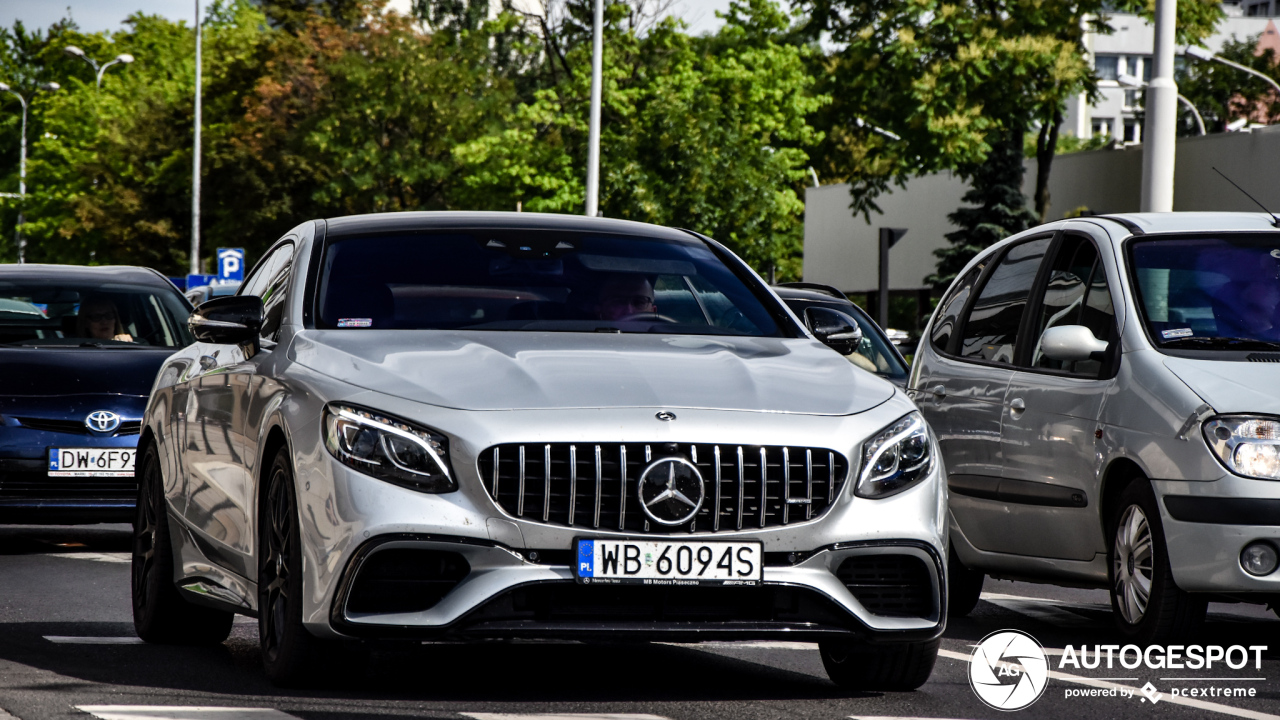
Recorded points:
1223,94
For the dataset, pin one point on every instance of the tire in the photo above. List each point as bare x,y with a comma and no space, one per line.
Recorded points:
964,587
861,667
291,655
160,614
1148,605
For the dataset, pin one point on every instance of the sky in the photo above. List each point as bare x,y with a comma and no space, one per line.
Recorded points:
96,15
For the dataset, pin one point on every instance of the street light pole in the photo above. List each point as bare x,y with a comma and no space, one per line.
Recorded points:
1131,81
593,131
22,166
1160,129
195,165
1206,55
74,51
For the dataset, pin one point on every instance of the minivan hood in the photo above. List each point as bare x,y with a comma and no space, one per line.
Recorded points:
478,370
34,371
1231,387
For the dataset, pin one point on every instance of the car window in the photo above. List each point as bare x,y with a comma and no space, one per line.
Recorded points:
991,329
535,280
1209,293
256,283
873,353
1064,296
91,314
274,292
951,307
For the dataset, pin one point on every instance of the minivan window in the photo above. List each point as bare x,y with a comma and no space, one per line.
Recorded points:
1210,292
991,330
1064,295
548,280
951,307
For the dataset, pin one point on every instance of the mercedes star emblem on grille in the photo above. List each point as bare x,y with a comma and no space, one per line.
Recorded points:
103,421
671,491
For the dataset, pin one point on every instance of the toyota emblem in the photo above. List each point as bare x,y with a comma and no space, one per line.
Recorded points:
671,491
103,421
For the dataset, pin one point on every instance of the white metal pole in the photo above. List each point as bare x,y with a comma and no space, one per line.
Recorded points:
195,165
22,183
593,133
1160,129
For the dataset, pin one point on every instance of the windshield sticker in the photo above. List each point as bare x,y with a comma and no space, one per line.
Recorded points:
1166,334
368,322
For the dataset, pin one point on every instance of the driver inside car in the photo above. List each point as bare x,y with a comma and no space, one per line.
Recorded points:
99,320
623,296
1246,305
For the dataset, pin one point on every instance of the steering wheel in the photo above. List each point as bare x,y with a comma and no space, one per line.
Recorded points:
652,316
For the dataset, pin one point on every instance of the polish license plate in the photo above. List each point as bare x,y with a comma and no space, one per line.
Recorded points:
91,462
667,562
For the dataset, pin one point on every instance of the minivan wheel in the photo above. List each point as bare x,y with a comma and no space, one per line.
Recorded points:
863,667
289,651
160,614
1149,606
964,587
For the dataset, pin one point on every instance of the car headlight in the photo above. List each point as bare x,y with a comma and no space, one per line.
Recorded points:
1248,446
896,458
389,449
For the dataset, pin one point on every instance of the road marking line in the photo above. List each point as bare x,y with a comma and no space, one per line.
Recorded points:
1137,692
98,557
93,640
1036,609
561,716
182,712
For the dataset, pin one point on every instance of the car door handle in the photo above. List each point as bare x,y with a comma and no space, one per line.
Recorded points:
939,391
1016,405
208,362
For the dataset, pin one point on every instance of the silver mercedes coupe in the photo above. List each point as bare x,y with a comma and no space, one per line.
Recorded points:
453,426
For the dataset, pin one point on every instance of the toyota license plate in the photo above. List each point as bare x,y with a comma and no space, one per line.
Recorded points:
91,462
667,562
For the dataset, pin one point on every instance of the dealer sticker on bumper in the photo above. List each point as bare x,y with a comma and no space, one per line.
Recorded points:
91,462
667,562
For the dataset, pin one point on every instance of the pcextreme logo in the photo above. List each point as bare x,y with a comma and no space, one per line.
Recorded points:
1009,670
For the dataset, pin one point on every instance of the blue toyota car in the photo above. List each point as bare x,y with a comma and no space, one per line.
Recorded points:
79,351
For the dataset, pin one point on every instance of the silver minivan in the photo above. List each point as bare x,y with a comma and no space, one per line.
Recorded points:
1108,408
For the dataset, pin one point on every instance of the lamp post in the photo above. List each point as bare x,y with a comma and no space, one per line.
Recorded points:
1160,129
1207,55
195,164
1131,81
22,164
122,58
593,131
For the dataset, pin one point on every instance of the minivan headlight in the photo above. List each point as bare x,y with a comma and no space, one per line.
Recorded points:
895,458
1248,446
388,449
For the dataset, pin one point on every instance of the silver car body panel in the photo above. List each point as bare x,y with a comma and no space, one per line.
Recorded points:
1140,419
217,412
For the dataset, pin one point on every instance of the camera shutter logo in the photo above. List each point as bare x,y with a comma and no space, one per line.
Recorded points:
1008,670
102,421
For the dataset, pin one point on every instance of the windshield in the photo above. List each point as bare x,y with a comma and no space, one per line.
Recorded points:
1210,293
535,280
51,312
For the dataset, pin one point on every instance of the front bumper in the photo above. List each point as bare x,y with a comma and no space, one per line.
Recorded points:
505,594
1207,524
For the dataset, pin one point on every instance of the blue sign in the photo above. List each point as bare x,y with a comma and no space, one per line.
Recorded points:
195,281
230,264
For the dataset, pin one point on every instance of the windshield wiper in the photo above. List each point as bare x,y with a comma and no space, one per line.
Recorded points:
1222,343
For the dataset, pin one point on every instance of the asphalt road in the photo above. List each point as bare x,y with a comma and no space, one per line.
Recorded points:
67,650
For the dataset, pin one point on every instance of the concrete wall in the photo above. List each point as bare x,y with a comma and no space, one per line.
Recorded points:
841,250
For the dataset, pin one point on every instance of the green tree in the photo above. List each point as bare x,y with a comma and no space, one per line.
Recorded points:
1223,94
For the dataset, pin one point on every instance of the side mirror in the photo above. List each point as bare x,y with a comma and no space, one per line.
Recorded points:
834,329
229,320
1070,343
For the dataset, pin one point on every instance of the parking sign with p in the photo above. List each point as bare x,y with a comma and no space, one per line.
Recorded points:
230,264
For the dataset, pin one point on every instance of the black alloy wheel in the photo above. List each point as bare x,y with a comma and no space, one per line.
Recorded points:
160,614
290,653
